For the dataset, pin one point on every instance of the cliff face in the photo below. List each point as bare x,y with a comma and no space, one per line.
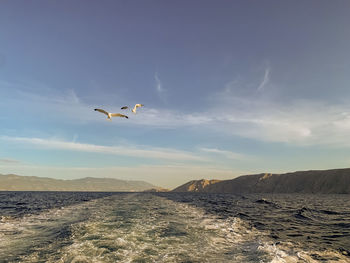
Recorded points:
195,186
32,183
335,181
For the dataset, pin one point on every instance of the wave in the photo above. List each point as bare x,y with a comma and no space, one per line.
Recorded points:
148,228
266,202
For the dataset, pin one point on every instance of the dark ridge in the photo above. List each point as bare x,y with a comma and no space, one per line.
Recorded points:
335,181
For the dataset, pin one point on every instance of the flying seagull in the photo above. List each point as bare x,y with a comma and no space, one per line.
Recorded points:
136,106
124,108
110,115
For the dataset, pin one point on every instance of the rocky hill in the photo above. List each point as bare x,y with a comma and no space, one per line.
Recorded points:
195,186
336,181
13,182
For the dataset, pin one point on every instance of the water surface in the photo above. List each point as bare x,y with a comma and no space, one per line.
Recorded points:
173,227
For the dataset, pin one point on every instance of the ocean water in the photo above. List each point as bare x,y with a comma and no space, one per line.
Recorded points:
173,227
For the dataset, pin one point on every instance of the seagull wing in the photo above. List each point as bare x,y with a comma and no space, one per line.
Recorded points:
119,115
136,106
102,111
124,108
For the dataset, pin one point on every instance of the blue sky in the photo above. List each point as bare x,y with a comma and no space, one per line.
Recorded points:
229,87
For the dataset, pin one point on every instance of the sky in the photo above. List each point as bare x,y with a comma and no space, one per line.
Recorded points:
229,88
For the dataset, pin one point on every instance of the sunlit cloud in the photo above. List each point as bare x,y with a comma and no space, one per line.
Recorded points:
225,154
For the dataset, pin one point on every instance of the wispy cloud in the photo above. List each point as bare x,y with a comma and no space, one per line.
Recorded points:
133,151
226,154
159,86
158,82
302,122
265,79
9,161
164,118
298,122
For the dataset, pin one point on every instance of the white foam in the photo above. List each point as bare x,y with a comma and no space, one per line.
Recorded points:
131,227
288,252
162,231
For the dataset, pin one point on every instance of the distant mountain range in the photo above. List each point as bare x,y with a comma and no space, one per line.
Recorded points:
336,181
13,182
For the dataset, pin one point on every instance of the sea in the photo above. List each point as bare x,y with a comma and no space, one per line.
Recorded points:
173,227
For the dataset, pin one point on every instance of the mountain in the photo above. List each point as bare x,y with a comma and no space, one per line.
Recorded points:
336,181
13,182
195,186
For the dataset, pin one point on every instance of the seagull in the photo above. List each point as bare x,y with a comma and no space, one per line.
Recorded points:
124,108
136,106
110,115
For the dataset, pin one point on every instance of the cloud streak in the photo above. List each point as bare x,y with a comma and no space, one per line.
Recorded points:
9,161
159,86
158,83
132,151
265,79
226,154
